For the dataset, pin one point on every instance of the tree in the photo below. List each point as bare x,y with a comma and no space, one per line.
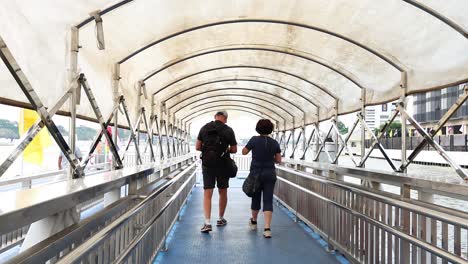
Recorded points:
342,128
395,125
8,129
62,130
85,133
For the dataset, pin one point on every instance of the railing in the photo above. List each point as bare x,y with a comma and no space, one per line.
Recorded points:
448,142
243,162
15,237
12,219
370,226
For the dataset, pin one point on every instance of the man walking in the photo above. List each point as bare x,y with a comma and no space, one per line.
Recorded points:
215,140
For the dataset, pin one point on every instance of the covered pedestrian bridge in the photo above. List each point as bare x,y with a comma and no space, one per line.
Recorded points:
154,68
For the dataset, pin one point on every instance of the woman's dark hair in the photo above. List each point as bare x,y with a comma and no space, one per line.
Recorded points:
264,127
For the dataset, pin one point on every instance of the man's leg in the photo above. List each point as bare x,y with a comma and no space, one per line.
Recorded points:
222,202
223,185
208,194
208,186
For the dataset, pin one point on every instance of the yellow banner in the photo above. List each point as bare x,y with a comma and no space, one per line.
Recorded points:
34,152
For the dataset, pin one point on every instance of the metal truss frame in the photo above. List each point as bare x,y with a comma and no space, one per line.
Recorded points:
45,115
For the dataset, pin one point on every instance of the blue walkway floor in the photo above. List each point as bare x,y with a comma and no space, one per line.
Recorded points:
236,243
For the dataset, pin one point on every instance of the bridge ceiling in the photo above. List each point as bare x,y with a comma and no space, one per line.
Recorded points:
319,50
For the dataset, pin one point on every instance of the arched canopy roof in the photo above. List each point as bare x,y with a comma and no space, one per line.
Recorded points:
313,53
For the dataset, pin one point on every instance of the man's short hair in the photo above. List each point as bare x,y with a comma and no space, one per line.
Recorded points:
222,112
264,127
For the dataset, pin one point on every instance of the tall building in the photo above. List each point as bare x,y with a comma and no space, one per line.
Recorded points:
431,106
378,114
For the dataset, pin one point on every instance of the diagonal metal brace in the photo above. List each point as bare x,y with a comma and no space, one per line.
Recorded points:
434,144
92,100
297,143
148,133
308,144
132,132
376,140
286,144
32,132
322,145
344,142
452,110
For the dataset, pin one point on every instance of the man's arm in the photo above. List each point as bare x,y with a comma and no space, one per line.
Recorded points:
198,145
60,162
233,149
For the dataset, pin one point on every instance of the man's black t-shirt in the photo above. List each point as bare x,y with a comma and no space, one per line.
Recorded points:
227,134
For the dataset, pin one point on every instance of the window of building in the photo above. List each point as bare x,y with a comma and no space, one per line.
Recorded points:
384,107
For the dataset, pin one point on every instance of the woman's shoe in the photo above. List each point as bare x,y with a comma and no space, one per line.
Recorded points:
252,224
267,233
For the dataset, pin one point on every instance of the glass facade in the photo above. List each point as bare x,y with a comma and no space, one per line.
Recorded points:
431,106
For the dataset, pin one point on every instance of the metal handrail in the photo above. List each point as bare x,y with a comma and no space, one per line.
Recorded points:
422,244
456,189
88,245
48,174
449,218
145,229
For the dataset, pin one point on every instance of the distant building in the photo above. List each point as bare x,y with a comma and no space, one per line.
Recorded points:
429,107
378,114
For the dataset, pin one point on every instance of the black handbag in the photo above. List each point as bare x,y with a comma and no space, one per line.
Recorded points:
251,185
230,167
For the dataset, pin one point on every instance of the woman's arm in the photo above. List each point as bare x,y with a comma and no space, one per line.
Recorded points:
278,157
245,151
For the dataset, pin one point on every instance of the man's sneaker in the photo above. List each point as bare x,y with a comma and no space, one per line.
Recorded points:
221,222
206,228
267,233
252,224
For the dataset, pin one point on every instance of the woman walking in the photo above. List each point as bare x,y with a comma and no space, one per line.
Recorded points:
265,152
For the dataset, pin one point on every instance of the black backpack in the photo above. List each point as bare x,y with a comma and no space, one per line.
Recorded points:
214,148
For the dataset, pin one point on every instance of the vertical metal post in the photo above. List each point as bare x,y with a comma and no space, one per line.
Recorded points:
304,137
74,99
293,138
363,130
405,189
336,134
403,100
115,89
